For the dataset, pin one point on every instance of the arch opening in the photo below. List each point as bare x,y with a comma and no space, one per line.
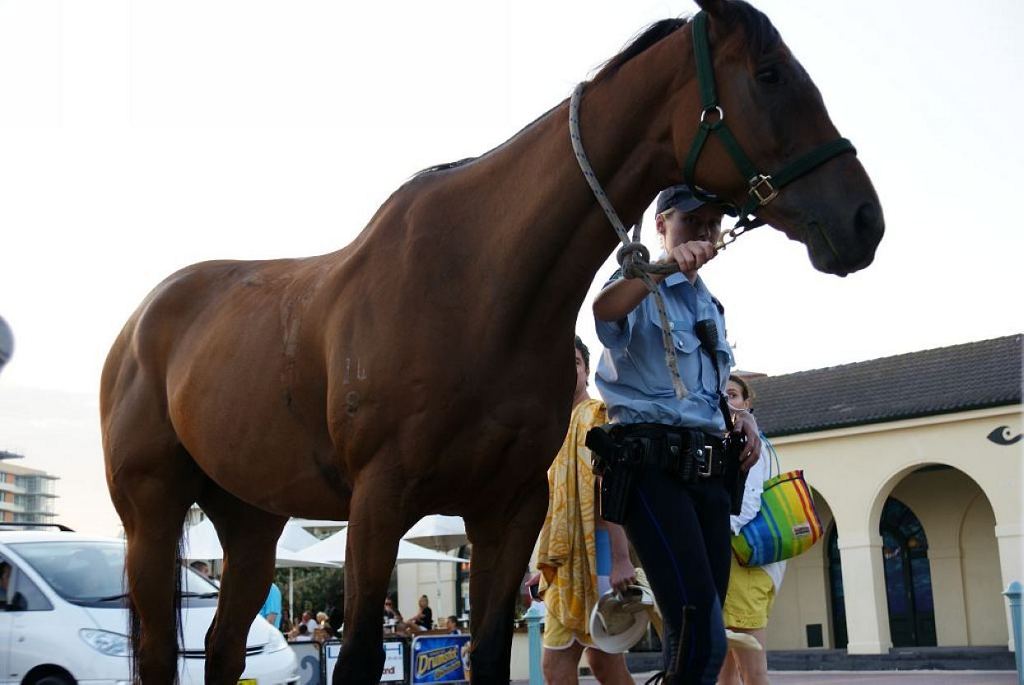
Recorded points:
908,578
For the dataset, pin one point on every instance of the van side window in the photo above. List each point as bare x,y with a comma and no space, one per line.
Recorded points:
20,593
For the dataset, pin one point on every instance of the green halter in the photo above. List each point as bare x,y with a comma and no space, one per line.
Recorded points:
762,187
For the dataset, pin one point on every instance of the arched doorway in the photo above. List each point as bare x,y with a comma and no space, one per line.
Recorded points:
908,579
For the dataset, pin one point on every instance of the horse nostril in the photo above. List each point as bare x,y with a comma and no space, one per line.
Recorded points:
868,221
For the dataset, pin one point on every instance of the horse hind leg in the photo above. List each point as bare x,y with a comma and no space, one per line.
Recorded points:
152,489
249,538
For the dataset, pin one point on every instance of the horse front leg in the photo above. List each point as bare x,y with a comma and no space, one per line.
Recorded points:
502,543
376,522
249,537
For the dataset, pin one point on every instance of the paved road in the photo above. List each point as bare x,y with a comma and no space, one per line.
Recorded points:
869,678
895,678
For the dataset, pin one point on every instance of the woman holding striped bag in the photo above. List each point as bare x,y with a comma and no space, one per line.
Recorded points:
752,589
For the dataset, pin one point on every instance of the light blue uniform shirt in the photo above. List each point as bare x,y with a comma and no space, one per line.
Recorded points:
632,375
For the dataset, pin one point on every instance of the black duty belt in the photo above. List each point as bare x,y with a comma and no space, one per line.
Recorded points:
690,454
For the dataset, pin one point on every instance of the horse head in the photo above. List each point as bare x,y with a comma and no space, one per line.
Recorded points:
763,99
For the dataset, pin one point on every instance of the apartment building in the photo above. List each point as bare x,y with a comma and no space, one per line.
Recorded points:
25,494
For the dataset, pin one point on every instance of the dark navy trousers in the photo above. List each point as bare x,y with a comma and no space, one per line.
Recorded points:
681,534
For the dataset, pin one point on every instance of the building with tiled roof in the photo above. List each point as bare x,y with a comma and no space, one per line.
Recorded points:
916,465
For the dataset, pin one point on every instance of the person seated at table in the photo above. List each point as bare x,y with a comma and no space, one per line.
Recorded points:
336,615
424,620
451,626
300,633
392,618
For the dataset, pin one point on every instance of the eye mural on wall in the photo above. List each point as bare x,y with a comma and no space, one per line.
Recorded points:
1001,436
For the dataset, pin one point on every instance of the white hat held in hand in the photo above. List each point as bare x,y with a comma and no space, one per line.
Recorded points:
619,620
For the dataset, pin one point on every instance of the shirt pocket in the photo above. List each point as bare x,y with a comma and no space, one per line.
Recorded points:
687,347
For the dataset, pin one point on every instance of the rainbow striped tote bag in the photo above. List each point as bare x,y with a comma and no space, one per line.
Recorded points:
786,526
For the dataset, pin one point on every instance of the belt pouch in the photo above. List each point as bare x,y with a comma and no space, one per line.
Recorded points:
686,459
604,448
617,481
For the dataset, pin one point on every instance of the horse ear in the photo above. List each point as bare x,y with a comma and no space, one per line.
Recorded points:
716,9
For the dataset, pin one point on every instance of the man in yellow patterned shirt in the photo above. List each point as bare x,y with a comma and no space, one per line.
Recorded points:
580,556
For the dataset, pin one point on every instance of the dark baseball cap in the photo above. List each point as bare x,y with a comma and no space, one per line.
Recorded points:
678,197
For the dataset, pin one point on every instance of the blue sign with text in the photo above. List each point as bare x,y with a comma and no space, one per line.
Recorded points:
440,659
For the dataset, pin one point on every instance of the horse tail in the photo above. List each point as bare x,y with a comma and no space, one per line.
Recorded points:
179,628
134,630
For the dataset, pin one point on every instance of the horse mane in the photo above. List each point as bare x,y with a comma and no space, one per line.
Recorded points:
445,166
648,37
645,39
761,37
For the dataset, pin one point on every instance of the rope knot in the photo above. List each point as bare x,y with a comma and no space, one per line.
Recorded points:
632,258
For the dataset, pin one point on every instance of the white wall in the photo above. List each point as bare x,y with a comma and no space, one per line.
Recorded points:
436,581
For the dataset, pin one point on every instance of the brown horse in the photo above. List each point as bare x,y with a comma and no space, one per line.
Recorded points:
427,367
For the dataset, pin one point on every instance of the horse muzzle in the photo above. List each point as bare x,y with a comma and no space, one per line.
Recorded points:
842,247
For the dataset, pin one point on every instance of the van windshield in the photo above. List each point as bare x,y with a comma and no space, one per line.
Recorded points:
92,572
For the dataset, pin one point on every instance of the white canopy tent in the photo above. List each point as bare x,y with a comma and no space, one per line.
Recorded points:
317,523
297,548
332,550
202,543
295,537
440,533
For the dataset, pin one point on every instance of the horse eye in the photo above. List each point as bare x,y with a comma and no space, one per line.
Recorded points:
769,75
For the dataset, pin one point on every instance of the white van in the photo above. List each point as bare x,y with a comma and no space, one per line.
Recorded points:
63,618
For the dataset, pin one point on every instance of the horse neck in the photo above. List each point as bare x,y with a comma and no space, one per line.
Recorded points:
559,236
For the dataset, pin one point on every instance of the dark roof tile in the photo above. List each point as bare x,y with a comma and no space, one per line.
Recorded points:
939,381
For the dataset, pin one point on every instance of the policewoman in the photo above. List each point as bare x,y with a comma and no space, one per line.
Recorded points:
671,466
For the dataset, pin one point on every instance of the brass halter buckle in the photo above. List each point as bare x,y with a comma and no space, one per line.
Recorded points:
761,187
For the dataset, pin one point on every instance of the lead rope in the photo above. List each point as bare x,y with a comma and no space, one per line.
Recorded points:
633,256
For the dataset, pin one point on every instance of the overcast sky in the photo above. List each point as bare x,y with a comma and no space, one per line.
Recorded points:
135,139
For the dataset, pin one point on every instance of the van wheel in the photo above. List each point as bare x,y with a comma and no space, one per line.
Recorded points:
53,679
